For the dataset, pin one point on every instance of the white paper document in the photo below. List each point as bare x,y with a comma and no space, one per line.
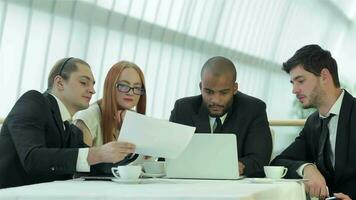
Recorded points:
155,137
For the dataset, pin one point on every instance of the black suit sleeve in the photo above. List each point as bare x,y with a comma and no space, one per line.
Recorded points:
174,114
29,128
295,155
75,138
257,146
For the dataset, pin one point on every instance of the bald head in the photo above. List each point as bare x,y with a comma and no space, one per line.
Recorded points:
218,85
219,66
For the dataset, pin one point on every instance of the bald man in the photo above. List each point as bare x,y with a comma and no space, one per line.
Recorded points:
221,108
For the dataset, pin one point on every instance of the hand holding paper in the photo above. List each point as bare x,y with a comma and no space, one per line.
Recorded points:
155,137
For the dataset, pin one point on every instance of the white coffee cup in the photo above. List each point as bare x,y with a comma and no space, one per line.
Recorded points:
127,171
275,172
154,167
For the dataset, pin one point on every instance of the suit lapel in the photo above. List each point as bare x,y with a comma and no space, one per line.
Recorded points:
201,120
233,118
317,127
55,113
343,135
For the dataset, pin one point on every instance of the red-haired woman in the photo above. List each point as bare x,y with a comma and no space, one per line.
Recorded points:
124,89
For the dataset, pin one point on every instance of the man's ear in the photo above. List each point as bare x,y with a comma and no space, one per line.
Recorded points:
236,88
325,74
200,86
58,83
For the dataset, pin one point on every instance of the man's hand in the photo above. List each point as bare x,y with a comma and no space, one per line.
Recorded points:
111,152
316,185
342,196
241,168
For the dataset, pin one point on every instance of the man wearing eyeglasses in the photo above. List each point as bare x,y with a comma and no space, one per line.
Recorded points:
221,108
37,143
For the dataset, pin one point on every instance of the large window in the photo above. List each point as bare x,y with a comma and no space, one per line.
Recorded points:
170,40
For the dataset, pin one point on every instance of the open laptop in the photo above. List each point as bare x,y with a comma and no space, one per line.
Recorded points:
207,156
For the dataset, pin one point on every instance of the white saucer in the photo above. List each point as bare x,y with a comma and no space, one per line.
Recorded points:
271,180
127,181
149,175
262,180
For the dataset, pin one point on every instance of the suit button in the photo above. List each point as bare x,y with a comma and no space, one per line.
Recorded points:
52,168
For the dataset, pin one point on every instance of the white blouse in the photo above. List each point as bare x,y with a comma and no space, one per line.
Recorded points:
91,117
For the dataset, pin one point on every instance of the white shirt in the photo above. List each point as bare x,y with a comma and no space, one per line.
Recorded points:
213,119
82,163
335,109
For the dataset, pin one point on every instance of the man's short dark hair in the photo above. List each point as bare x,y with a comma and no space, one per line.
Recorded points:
313,59
219,65
64,68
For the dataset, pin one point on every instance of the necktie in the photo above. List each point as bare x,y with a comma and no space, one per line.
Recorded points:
325,146
72,136
217,125
66,125
67,131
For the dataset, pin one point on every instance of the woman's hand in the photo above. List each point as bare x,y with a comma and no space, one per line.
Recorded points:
119,117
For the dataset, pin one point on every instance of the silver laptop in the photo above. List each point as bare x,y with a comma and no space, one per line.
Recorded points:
207,156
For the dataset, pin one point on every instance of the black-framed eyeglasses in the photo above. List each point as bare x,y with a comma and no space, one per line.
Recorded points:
126,89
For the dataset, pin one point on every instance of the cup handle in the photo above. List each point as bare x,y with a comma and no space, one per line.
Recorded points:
285,172
113,171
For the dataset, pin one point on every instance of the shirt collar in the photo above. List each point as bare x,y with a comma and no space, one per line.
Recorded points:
335,109
222,118
63,110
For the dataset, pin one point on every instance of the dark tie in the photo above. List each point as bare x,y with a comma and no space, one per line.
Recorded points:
67,131
218,125
325,146
72,136
66,125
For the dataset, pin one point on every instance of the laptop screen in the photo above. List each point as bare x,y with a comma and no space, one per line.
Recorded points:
208,156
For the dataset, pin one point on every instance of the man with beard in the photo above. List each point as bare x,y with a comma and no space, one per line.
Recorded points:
324,151
221,108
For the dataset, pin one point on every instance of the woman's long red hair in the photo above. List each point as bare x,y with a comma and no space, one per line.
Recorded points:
108,103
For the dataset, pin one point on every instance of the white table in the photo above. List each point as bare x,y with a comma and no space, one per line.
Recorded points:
158,189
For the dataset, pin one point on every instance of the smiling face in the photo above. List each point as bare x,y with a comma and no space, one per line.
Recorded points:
218,92
76,92
128,77
307,87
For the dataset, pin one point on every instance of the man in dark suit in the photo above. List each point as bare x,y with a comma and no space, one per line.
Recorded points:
324,151
222,109
36,142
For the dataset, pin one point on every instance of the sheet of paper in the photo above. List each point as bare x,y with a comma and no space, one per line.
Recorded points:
155,137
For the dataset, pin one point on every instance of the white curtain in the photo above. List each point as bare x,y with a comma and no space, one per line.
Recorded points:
170,40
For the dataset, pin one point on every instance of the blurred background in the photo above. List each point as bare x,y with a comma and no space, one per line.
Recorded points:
170,40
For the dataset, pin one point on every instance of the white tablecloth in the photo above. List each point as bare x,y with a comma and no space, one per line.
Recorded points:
158,189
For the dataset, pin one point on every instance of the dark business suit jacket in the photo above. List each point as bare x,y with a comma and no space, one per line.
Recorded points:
34,147
247,119
305,149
